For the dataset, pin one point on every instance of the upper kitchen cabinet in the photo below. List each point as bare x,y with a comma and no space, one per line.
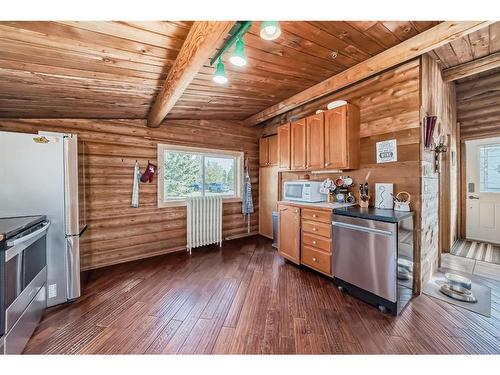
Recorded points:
315,141
268,151
299,144
341,128
284,146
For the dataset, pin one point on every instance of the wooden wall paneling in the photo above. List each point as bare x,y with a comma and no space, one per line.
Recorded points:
398,89
117,232
478,105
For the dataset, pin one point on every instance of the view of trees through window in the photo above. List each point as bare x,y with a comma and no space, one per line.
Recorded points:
194,174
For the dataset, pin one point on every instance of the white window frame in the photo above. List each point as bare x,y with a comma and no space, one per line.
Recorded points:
238,155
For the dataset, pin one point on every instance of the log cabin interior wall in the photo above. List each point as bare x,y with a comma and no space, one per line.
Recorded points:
389,109
117,232
438,98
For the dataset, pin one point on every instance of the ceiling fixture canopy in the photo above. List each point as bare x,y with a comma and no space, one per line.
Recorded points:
238,58
220,74
270,30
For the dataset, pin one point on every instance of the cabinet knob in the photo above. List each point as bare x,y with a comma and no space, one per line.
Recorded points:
296,211
327,164
314,242
314,215
314,259
314,229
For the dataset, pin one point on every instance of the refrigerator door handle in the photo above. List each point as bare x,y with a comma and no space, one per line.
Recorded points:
73,267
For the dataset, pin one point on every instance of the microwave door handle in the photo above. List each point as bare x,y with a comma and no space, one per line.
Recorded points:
17,241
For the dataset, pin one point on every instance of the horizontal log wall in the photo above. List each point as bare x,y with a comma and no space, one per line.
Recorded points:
389,109
478,105
117,232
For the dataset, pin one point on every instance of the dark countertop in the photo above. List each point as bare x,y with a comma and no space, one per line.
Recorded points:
12,226
389,216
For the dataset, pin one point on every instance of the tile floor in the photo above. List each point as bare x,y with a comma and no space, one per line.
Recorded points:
475,267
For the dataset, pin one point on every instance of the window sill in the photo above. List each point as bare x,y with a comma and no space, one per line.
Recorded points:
183,203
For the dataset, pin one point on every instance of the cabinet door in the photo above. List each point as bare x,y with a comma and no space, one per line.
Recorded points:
315,136
336,138
298,140
264,152
289,233
272,150
284,146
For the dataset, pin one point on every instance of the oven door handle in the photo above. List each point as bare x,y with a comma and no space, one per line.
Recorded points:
28,237
362,229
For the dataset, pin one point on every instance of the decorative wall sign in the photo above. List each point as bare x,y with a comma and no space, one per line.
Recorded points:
387,151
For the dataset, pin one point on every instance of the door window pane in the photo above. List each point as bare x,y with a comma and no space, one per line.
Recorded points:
489,168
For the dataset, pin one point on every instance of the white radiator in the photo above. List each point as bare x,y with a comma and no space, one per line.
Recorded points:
204,221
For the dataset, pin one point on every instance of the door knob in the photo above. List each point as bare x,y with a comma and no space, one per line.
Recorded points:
473,197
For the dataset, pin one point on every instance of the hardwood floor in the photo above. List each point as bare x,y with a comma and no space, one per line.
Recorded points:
246,299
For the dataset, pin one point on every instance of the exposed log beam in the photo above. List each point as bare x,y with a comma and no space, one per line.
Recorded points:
201,42
472,67
407,50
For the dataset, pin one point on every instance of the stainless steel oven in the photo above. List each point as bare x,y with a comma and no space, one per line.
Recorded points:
24,275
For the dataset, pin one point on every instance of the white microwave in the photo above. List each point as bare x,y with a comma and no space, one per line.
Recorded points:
303,191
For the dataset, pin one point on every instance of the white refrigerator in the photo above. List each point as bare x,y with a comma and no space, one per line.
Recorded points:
44,174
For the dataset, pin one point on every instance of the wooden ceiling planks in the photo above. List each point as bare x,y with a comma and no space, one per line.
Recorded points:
116,69
478,44
298,59
85,69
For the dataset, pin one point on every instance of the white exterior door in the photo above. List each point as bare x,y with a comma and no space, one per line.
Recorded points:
483,189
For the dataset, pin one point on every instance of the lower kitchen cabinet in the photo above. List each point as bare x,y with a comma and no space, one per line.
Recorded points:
316,259
289,232
305,237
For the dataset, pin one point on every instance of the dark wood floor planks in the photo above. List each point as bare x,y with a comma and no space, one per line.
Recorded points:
245,299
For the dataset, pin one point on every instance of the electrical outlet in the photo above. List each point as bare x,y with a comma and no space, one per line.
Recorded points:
52,290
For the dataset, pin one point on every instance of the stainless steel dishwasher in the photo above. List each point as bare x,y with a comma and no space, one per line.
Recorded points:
372,262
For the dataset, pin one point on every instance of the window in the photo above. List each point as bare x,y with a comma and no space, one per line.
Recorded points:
189,171
489,168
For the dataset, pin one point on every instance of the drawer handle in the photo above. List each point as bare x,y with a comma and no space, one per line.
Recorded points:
314,215
314,259
314,229
314,242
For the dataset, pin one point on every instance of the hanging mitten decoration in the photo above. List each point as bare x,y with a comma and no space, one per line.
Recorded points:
149,173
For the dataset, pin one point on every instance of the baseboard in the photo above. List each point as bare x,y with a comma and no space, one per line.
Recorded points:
236,236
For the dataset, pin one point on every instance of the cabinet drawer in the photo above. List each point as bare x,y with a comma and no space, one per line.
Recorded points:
316,259
317,215
320,229
322,243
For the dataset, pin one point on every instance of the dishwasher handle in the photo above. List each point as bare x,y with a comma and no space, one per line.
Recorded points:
362,229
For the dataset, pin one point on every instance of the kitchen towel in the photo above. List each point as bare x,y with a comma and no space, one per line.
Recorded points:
247,204
135,187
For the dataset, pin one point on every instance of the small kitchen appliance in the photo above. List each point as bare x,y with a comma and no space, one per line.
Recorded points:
303,191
